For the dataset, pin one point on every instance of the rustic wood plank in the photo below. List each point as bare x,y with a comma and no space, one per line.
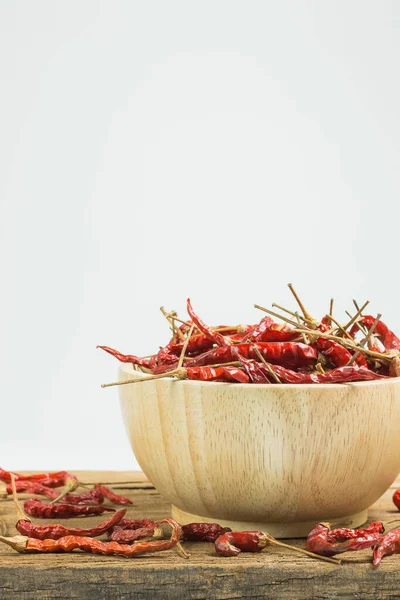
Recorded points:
274,573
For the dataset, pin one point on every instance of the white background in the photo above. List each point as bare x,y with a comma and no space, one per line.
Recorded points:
155,150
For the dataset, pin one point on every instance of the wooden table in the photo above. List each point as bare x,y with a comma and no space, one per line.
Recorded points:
275,573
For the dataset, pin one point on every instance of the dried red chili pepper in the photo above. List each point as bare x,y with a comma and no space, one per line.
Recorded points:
127,536
127,358
37,508
202,532
136,524
318,542
111,495
337,354
34,487
224,374
54,532
322,540
396,498
56,479
256,373
339,375
389,544
342,534
290,354
231,543
92,545
213,335
269,331
389,340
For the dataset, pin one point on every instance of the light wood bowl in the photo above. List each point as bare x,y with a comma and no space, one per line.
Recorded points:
274,457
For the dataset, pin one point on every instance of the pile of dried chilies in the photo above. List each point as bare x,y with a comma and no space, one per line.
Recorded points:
135,537
300,350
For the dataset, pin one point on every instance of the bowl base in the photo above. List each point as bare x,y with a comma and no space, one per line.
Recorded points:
299,529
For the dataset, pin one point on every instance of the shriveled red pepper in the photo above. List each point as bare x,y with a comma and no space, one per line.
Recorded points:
92,545
339,375
396,498
55,532
290,354
389,340
389,544
136,524
37,508
269,331
337,354
56,479
108,493
127,358
202,532
34,487
214,336
128,536
326,542
254,370
224,374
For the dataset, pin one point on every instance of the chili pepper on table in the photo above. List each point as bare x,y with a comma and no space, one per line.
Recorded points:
56,479
128,536
37,508
231,543
136,524
92,545
389,544
326,542
34,487
396,498
108,493
202,532
54,532
290,354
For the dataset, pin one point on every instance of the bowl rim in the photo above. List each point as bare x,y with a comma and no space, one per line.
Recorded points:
128,369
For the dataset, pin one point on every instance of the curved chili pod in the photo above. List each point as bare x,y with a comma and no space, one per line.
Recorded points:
389,544
126,358
37,508
214,336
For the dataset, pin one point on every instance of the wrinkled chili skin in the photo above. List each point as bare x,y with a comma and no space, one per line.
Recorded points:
231,543
34,487
92,545
127,536
342,534
126,358
389,340
202,532
318,542
269,331
41,510
136,524
253,369
389,544
290,354
396,498
55,532
335,352
338,375
111,495
214,336
223,374
56,479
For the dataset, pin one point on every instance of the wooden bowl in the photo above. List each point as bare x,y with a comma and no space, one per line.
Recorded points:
274,457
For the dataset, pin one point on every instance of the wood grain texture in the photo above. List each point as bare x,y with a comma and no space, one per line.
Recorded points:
277,455
274,573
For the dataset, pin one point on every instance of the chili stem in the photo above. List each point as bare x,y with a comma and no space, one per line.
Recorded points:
181,374
360,327
72,484
331,310
367,337
260,356
21,516
185,345
296,314
286,310
335,561
3,527
171,322
339,326
306,314
358,314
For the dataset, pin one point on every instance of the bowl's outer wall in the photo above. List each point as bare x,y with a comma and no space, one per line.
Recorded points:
272,453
